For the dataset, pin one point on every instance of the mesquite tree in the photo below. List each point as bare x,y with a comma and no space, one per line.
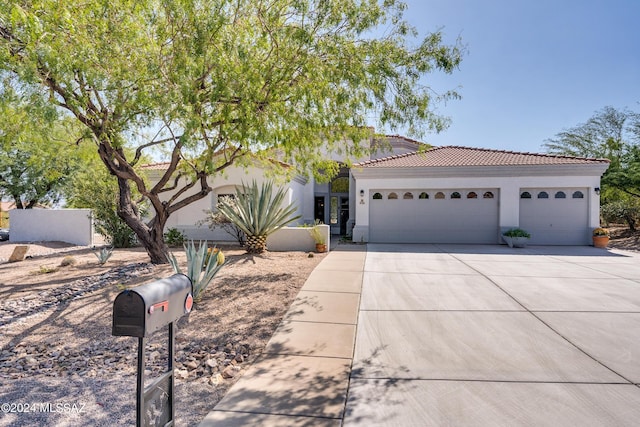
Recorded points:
225,77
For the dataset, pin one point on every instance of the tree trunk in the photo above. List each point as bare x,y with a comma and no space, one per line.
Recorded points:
151,236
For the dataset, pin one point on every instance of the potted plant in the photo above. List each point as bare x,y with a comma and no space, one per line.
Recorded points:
516,237
600,237
318,237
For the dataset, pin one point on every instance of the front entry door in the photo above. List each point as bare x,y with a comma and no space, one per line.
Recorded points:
319,209
344,215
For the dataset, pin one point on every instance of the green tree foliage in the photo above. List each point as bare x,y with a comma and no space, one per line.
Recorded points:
612,134
231,77
94,188
258,212
625,210
37,148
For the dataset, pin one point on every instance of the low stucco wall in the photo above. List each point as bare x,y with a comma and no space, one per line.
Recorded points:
295,239
47,225
285,239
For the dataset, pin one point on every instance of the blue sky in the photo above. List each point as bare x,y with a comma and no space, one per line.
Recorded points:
532,67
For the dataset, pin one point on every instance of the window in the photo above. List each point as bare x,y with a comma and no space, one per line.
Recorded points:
455,195
340,185
560,195
392,196
578,195
487,195
333,210
543,195
377,196
423,195
407,196
472,195
525,195
439,195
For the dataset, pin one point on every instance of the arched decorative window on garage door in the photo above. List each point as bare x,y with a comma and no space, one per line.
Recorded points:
392,196
487,195
408,196
377,196
577,195
423,195
543,195
455,195
560,195
439,195
525,195
472,195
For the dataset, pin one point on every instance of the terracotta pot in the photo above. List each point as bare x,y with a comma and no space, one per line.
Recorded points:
600,241
321,247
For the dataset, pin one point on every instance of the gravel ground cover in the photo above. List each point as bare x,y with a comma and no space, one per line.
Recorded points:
60,366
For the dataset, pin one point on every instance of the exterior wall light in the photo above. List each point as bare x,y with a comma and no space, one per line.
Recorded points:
361,193
597,190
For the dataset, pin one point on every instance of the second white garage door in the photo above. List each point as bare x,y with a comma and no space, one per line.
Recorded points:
555,216
434,216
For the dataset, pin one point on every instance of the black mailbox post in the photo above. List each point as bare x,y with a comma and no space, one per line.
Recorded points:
138,313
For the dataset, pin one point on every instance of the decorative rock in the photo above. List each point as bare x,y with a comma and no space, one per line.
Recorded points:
228,372
18,253
216,379
21,307
212,363
181,373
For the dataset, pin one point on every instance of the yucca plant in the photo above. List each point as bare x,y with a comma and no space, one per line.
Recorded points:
201,269
258,212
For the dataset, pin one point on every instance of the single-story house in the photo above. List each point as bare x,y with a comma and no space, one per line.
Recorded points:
470,195
405,193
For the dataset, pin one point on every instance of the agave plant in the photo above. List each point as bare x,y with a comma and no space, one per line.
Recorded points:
258,213
201,269
103,255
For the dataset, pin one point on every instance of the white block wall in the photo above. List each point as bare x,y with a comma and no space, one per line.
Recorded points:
48,225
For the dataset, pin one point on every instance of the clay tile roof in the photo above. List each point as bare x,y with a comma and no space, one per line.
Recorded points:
450,156
156,166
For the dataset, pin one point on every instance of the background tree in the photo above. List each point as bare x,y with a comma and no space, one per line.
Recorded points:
613,134
37,148
231,77
94,188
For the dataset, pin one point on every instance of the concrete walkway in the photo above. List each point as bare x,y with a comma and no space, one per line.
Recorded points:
452,335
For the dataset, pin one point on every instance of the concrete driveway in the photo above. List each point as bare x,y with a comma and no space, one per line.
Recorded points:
493,336
451,335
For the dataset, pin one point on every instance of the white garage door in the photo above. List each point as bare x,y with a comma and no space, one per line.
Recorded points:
434,216
555,216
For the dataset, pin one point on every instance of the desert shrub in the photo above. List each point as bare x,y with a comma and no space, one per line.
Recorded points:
622,211
174,237
67,261
45,269
216,219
